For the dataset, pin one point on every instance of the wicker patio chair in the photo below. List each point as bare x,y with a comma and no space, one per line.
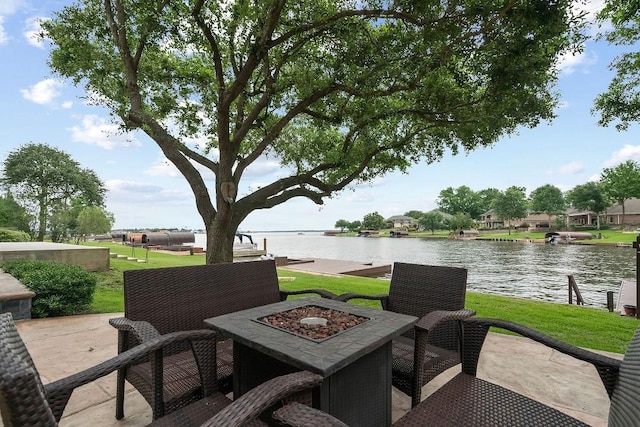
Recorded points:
470,401
436,295
25,401
163,300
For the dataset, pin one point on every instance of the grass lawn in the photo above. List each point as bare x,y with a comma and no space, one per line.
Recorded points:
582,326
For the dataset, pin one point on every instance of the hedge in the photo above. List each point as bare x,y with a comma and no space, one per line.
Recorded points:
61,289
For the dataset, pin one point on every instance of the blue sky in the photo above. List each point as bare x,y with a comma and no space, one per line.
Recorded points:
143,191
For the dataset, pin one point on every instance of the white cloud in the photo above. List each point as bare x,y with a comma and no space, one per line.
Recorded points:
32,30
628,152
591,7
374,182
568,63
66,105
254,186
95,130
262,167
142,193
163,167
571,168
7,7
259,168
132,187
594,178
359,197
44,92
4,38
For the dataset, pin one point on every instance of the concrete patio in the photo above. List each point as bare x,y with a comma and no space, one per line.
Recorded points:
62,346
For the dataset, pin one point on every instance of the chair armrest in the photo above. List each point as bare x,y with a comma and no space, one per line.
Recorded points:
475,329
257,400
383,298
323,293
58,392
298,415
429,321
141,329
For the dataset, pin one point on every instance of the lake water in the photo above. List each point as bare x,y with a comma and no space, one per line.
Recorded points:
527,270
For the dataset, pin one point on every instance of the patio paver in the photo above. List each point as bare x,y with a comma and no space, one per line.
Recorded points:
64,345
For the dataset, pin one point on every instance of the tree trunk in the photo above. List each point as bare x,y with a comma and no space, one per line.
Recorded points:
221,231
42,222
219,244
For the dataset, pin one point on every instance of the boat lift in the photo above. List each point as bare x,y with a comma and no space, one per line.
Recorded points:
248,236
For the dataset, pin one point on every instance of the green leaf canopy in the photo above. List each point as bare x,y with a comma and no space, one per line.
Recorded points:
338,92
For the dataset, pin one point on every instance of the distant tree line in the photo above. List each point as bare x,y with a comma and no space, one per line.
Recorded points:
461,208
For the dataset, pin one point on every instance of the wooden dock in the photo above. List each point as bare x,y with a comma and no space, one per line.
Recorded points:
249,253
337,267
626,295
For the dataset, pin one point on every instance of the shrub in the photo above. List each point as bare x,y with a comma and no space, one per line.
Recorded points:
61,289
582,227
14,236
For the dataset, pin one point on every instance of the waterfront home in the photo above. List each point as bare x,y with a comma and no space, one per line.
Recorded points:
401,221
611,216
533,220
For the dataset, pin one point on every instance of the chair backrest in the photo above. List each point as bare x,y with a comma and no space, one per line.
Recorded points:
22,396
625,400
180,298
418,289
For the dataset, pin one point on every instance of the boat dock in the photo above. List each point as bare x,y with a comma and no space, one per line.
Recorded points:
626,295
334,266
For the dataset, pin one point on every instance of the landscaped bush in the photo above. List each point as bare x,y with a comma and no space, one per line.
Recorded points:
14,236
61,289
582,227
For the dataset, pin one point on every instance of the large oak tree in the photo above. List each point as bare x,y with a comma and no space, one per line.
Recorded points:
461,200
589,197
621,183
511,204
337,91
548,199
45,180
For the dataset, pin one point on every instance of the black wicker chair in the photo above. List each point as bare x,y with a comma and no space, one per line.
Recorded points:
25,401
436,295
162,300
470,401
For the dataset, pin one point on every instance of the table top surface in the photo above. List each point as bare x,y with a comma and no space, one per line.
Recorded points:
323,357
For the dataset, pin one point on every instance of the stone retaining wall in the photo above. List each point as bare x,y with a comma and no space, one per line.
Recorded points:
15,298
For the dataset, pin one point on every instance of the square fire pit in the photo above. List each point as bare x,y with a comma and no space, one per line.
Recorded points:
313,322
355,362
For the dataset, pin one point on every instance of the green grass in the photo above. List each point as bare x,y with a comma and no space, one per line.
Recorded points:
582,326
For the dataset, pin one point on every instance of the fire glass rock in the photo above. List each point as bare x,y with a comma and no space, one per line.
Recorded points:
337,321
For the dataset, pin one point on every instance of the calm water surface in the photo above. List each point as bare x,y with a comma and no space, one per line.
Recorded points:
528,270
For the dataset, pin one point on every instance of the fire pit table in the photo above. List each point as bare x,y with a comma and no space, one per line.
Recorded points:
349,345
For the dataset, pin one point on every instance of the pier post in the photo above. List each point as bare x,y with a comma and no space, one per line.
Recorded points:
573,287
